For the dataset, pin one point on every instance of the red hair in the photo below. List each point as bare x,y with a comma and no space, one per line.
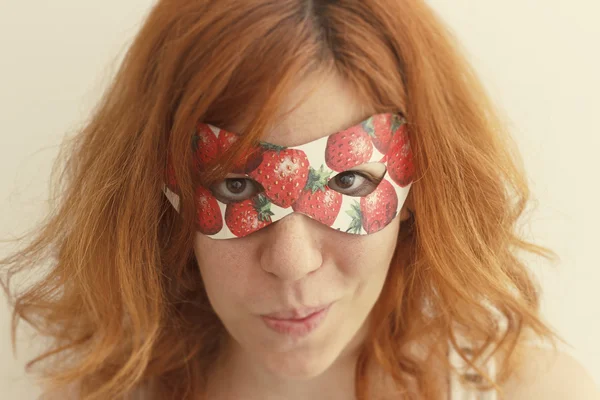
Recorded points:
123,301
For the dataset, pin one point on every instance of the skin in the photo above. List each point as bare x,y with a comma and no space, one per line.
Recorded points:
298,262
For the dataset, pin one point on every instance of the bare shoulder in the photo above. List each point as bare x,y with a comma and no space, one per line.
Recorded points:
550,375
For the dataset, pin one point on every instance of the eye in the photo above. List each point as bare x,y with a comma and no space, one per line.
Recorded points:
354,183
232,190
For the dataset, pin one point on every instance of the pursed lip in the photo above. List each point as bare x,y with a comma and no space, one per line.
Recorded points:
296,313
296,322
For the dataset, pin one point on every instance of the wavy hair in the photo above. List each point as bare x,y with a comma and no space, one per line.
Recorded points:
122,300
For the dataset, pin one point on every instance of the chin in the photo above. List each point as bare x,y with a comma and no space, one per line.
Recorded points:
298,365
300,358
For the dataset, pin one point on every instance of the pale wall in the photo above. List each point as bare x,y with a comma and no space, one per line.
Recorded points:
539,60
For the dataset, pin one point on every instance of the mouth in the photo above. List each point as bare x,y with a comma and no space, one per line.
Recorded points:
297,322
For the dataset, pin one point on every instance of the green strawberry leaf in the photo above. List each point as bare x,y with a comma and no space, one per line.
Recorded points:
262,205
271,146
356,215
369,127
397,122
317,180
354,211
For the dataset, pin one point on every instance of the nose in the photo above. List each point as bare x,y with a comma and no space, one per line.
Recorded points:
291,249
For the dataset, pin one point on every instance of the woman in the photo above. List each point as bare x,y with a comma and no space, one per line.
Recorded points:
290,199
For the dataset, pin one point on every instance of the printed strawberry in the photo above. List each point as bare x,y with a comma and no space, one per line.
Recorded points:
348,149
400,158
248,216
317,199
381,128
375,211
209,218
282,173
205,147
250,159
226,139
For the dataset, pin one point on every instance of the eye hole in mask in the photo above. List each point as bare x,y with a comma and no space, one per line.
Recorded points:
356,182
236,189
359,181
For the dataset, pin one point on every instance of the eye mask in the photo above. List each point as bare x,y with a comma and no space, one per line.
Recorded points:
354,181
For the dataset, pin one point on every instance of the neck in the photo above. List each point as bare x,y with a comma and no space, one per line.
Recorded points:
238,375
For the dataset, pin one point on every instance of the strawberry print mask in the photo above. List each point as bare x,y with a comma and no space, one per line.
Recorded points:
354,181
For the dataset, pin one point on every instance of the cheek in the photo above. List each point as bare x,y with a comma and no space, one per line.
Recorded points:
224,270
368,256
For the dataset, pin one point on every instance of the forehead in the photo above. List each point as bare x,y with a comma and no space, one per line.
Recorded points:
320,104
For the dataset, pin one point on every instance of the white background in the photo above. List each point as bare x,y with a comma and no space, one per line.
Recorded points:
539,60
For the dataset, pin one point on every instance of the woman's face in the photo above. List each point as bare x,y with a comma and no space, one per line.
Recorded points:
262,285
